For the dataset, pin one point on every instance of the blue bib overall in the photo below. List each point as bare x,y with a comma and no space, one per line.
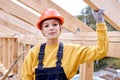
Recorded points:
53,73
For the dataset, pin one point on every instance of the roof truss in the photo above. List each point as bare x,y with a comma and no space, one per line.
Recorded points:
112,10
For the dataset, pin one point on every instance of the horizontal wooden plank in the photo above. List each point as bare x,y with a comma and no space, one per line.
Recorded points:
6,30
71,22
114,50
9,28
18,11
113,6
19,24
83,39
114,37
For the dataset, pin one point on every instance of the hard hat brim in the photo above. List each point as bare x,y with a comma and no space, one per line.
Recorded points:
51,17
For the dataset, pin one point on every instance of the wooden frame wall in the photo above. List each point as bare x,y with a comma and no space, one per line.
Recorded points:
13,21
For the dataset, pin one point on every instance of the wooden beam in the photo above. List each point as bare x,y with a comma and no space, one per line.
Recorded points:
84,38
1,50
71,22
2,32
5,53
18,11
86,71
15,55
113,19
10,42
20,51
2,70
6,30
11,28
114,37
18,24
114,49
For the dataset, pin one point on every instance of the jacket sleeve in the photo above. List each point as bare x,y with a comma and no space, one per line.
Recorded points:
100,50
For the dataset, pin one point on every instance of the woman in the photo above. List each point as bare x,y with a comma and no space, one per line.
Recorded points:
55,60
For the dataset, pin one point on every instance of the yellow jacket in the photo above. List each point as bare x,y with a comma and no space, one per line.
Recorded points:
74,54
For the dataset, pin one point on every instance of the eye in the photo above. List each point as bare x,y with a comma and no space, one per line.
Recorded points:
45,26
54,24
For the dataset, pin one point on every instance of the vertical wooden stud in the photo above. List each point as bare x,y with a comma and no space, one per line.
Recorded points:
20,51
86,71
5,53
1,50
15,55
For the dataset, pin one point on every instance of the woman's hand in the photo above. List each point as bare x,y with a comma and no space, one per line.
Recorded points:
98,15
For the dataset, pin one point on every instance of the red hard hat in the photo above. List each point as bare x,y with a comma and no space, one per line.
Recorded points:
47,14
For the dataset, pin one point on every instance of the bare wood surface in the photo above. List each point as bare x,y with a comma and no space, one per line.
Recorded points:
11,67
18,11
71,22
15,55
86,71
5,53
5,30
84,38
18,24
1,50
9,28
112,10
114,37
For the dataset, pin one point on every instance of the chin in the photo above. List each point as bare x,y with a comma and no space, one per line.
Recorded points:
52,37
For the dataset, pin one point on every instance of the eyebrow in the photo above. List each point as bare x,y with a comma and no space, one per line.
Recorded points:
47,23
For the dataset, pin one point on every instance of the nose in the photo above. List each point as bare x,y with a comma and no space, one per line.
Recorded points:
50,27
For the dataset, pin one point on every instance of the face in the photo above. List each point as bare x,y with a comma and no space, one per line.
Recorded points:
51,28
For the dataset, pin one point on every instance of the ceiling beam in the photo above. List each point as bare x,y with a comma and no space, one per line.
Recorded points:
71,22
14,28
18,11
18,24
110,6
6,30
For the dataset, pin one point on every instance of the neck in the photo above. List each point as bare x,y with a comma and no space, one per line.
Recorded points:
52,41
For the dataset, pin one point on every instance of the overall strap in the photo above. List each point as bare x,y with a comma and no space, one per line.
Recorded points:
41,55
59,55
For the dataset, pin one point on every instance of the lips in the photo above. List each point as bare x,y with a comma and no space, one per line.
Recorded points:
52,33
